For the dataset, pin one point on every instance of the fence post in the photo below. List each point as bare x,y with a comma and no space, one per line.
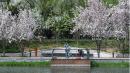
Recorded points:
113,54
98,52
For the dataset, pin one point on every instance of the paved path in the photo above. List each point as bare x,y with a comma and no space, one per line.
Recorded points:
94,52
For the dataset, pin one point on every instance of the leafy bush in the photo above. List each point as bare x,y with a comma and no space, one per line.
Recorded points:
10,48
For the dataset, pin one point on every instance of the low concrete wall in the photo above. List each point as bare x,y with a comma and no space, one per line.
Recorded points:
36,59
70,62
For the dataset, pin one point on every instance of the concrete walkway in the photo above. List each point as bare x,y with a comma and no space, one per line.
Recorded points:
94,52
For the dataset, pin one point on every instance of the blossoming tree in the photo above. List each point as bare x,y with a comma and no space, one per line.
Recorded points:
120,22
17,28
92,21
100,21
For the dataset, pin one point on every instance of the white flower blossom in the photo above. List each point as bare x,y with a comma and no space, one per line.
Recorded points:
99,21
13,28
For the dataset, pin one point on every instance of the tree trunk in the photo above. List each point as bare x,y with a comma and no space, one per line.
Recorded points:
4,44
4,52
98,43
123,47
21,48
22,52
77,40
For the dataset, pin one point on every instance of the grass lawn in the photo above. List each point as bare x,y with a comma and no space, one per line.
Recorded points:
82,43
28,64
110,64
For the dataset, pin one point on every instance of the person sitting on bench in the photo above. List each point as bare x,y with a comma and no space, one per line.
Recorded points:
80,52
